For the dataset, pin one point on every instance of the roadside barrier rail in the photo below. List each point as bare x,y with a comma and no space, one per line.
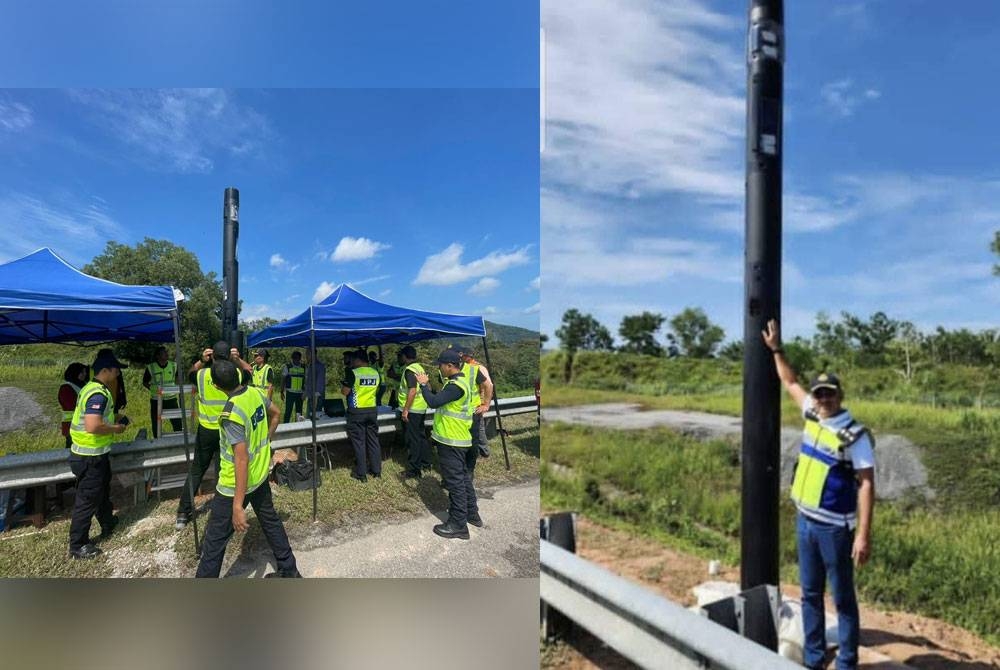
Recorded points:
640,625
49,467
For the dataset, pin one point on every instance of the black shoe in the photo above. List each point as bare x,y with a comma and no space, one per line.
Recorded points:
360,478
376,475
484,451
286,574
409,474
450,530
106,532
476,520
182,520
85,552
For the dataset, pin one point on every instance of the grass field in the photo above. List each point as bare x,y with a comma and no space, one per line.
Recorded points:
146,544
940,559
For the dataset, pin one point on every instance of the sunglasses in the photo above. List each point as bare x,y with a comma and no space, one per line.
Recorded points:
823,393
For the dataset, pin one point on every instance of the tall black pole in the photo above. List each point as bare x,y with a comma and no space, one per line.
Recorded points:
184,427
231,268
312,404
761,399
496,404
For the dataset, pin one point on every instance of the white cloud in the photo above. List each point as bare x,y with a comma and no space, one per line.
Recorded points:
177,129
276,311
322,291
75,229
369,280
384,293
666,59
15,117
534,284
534,309
484,286
844,98
445,267
277,261
356,249
489,310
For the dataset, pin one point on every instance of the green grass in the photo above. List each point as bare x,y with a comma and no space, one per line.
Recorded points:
940,559
341,502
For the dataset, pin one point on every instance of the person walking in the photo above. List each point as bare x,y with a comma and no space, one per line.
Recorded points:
209,401
92,430
293,383
246,426
412,409
834,492
161,372
452,422
263,374
359,388
482,395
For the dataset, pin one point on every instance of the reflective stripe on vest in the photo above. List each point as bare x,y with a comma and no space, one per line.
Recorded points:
419,404
453,421
297,375
260,376
67,414
824,486
84,443
160,377
211,400
365,388
471,373
248,409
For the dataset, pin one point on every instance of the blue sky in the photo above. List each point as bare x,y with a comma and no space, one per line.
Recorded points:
419,197
892,180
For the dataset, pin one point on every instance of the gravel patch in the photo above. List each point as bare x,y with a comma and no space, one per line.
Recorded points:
18,409
899,471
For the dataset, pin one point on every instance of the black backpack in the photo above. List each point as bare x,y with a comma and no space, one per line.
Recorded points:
299,475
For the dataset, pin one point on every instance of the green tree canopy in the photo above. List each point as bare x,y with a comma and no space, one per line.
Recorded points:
582,331
163,263
639,333
695,334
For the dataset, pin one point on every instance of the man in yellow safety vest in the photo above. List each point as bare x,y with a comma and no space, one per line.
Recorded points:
246,425
160,373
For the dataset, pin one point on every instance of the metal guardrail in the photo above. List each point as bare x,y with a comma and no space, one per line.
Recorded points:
49,467
641,626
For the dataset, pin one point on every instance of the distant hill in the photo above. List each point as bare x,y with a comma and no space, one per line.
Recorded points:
509,334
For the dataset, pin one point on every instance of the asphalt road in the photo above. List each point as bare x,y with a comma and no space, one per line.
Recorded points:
507,546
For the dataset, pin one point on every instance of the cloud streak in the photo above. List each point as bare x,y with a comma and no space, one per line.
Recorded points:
446,267
75,229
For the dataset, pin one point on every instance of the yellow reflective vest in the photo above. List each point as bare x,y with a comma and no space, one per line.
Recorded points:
419,405
453,421
84,443
247,408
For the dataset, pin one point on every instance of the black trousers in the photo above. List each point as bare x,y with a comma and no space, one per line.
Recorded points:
417,445
292,400
168,403
206,451
220,528
457,464
362,428
93,496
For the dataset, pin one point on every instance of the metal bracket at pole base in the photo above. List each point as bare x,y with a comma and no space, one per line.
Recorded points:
560,530
752,613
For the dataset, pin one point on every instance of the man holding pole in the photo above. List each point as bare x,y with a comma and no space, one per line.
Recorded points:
834,491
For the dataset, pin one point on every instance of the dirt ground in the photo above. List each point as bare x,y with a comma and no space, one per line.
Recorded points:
888,639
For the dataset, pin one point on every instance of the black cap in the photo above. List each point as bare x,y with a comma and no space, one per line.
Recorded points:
106,359
824,380
409,351
462,350
449,356
262,352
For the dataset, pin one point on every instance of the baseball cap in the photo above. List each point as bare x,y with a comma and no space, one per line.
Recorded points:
409,351
462,350
261,352
106,359
449,356
824,380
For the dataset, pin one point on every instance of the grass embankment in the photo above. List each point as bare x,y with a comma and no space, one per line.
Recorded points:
146,544
940,559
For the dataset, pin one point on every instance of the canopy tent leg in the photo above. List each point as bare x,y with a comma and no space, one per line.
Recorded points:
496,405
184,430
312,390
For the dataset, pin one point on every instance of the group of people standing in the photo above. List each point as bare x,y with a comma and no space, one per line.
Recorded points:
236,420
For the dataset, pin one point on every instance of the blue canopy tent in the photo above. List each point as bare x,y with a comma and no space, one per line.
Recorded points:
348,318
45,299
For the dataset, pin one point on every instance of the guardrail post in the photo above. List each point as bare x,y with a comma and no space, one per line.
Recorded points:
560,530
